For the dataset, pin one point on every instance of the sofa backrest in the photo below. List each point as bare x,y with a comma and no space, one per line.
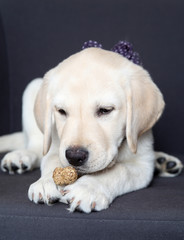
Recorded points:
40,34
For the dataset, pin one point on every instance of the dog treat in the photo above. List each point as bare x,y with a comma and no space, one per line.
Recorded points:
65,176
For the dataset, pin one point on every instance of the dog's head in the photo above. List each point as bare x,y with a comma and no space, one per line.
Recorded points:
92,101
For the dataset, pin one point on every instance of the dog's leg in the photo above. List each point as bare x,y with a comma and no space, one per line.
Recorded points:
97,191
27,158
167,165
12,142
45,190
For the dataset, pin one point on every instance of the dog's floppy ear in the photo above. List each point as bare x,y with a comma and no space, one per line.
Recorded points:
145,105
43,115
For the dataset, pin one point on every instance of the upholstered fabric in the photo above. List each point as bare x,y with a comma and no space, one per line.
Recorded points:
152,213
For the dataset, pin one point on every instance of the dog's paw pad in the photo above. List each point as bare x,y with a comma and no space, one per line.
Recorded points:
161,160
167,166
24,167
14,167
170,165
53,200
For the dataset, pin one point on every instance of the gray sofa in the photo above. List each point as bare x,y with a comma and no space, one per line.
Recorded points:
37,35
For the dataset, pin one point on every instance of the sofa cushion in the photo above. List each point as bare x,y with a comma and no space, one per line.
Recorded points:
152,213
40,34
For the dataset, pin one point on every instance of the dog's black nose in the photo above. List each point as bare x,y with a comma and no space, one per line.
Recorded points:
76,156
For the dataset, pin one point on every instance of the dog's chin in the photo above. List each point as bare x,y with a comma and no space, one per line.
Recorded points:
89,170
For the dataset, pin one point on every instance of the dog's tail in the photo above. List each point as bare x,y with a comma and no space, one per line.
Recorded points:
12,142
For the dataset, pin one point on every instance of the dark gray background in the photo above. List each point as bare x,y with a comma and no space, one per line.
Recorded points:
40,34
37,34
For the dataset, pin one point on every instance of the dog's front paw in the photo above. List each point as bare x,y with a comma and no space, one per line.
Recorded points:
18,161
45,191
86,195
167,165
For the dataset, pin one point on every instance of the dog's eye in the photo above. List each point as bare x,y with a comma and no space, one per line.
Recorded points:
104,111
62,112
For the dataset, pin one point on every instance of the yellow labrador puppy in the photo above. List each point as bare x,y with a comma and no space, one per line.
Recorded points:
93,111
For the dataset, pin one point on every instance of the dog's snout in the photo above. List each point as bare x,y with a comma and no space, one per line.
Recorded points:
76,156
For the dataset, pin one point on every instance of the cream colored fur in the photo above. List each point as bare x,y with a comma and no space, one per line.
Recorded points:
120,143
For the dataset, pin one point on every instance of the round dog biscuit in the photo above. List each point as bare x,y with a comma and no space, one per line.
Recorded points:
65,176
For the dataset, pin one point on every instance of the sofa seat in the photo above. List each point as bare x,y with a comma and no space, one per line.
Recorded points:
156,212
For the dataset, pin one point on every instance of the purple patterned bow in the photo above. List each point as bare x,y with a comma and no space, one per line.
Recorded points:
122,47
